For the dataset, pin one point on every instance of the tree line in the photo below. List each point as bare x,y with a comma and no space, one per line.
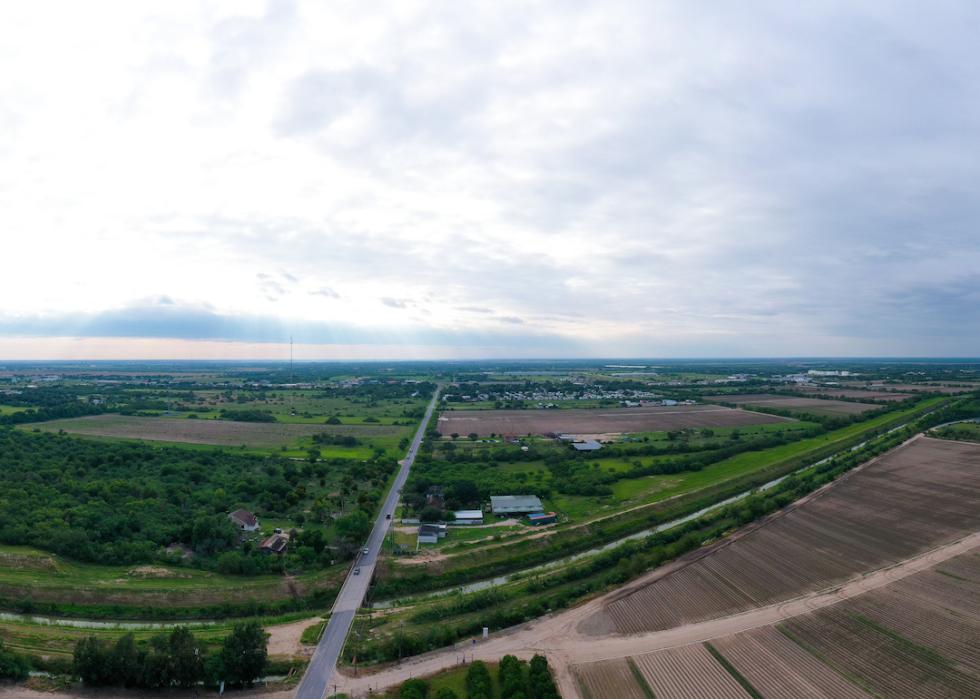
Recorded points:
176,659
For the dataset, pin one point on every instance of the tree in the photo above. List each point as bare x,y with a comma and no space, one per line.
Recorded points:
430,514
513,681
540,684
125,663
446,693
353,528
91,661
244,654
186,659
212,534
414,689
478,684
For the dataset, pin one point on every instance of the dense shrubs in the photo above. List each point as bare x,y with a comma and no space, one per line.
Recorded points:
122,503
13,666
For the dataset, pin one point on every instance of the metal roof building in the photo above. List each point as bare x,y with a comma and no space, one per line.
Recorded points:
590,445
469,516
515,504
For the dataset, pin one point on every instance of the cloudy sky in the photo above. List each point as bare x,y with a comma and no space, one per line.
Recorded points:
470,179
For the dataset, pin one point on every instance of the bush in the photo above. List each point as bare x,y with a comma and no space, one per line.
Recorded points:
414,689
12,665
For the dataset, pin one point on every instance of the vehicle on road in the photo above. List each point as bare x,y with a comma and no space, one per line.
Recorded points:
357,571
365,550
388,516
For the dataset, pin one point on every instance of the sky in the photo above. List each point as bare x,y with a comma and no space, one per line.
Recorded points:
489,179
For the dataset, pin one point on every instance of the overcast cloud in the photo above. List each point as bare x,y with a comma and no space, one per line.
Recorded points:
551,178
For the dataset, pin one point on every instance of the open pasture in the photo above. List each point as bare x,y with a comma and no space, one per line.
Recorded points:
816,406
213,432
596,421
920,496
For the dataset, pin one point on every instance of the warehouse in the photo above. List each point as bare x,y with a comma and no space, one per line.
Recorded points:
515,504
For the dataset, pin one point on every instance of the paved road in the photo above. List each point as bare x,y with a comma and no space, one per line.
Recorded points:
323,664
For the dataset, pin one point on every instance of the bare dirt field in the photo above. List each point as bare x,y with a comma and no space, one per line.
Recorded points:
817,406
216,432
909,501
593,421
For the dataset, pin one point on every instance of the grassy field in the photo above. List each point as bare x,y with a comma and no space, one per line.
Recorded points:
41,576
963,431
10,409
255,436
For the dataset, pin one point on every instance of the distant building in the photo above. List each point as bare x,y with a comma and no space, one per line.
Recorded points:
542,518
244,520
589,445
515,504
469,517
277,544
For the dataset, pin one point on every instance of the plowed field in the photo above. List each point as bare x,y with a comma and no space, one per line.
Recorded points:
597,421
918,497
816,406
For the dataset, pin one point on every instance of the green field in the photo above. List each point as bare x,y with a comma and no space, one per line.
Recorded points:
10,409
30,574
962,431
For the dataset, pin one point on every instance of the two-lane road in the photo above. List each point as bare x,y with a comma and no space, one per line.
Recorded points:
316,681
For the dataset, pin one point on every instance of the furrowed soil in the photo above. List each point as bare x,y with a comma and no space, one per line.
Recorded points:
595,421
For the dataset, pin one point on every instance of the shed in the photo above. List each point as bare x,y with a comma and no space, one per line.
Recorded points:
244,520
276,544
589,445
431,533
469,516
515,504
539,518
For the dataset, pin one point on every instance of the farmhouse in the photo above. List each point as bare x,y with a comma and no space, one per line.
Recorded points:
469,516
276,544
244,520
515,504
588,445
431,533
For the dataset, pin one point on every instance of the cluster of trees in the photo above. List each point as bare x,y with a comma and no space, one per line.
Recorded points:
340,440
124,503
247,415
516,678
176,659
56,413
